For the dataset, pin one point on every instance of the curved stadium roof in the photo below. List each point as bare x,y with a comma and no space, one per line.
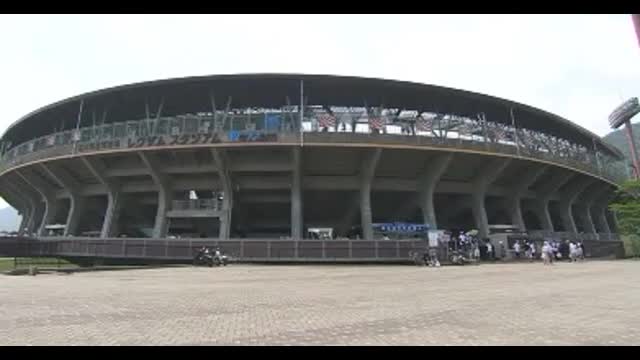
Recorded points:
191,95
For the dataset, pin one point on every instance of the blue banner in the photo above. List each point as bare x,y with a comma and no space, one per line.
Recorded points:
272,121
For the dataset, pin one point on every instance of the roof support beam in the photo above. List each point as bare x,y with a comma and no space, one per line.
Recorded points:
51,205
164,194
222,164
114,196
77,202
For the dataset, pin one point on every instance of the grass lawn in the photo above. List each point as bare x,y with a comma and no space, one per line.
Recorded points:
7,263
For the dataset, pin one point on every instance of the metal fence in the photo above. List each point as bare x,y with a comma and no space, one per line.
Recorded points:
246,250
188,130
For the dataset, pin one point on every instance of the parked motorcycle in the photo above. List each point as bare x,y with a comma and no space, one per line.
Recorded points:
204,258
458,258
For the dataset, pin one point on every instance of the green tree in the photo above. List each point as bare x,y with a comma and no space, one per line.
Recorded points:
627,207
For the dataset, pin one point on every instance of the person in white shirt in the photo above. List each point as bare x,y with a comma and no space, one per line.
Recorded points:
545,253
573,253
516,249
533,250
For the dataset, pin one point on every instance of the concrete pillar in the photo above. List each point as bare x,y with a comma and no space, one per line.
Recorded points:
427,184
220,160
544,195
51,205
18,201
602,220
296,195
568,199
587,200
35,218
76,209
25,219
71,186
486,176
164,194
541,209
514,202
588,225
480,214
367,173
112,215
114,201
599,208
160,226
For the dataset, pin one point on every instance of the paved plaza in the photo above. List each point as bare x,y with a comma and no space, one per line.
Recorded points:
589,303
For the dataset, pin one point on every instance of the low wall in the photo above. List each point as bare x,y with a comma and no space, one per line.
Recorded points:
245,250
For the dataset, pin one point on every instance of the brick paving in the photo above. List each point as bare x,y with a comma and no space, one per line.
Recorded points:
590,303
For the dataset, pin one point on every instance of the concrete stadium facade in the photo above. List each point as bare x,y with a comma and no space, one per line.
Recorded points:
268,156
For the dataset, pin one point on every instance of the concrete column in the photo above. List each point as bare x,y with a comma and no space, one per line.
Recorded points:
34,220
541,209
602,220
220,160
544,195
18,201
514,202
486,176
77,208
589,197
71,186
296,195
112,215
30,200
164,194
33,200
114,202
568,199
599,208
160,226
588,225
51,206
367,173
427,184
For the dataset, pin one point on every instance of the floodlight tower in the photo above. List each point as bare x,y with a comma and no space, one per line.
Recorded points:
622,115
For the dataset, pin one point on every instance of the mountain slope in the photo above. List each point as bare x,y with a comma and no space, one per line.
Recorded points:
618,138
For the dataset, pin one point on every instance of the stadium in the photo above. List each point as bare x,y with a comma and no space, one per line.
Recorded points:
298,167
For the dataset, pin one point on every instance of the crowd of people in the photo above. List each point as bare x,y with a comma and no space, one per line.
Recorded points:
551,250
474,248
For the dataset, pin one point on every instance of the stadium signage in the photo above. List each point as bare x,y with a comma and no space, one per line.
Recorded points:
99,145
177,140
399,227
164,140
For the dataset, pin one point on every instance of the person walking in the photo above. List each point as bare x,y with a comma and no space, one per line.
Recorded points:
533,251
580,250
573,252
516,249
489,250
545,253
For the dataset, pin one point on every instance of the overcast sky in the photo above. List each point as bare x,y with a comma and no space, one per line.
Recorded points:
579,67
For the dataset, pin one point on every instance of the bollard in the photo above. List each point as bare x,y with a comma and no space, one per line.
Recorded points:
33,270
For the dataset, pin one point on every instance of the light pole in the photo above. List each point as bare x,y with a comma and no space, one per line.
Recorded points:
622,115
